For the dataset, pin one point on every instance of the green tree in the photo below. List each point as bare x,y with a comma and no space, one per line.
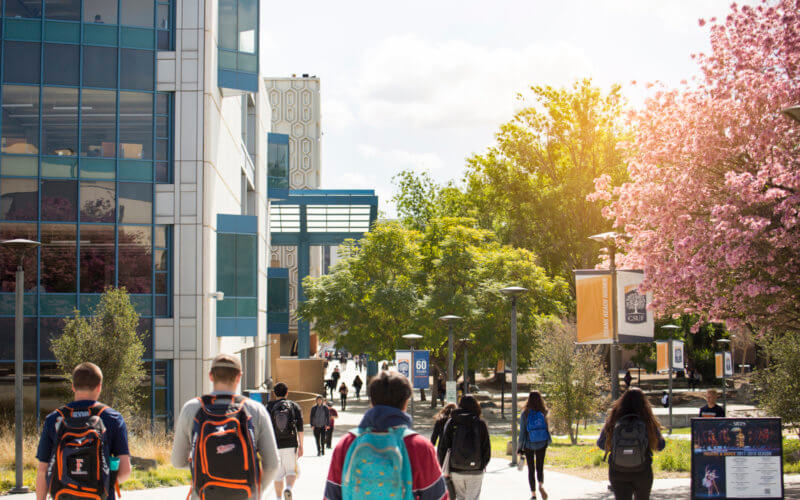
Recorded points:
779,381
569,376
107,338
531,186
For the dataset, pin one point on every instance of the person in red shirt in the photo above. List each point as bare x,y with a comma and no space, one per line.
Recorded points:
389,393
331,423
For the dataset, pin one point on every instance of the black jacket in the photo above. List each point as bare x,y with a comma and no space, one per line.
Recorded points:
324,409
464,417
438,427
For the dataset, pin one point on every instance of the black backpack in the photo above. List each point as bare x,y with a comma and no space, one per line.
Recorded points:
79,466
283,419
223,460
465,448
630,447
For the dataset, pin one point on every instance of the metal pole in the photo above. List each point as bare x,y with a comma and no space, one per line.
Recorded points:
466,368
503,394
513,381
411,372
450,352
18,358
613,365
669,362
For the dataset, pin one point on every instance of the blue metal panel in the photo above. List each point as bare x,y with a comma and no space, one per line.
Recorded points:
277,272
277,138
277,194
314,239
239,224
230,79
278,328
237,327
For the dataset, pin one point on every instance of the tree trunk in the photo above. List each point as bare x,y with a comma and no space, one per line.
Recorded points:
422,395
573,434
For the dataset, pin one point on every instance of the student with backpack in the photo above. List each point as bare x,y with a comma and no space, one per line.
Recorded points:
534,437
630,436
466,439
320,419
343,395
225,439
440,420
401,464
287,420
357,384
81,442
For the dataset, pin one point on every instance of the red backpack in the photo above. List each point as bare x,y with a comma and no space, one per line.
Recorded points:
223,459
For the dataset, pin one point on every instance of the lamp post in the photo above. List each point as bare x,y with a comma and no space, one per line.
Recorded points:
450,319
724,376
513,293
465,344
411,338
19,247
610,239
670,329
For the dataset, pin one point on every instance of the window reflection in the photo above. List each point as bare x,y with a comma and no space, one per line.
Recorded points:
9,261
59,200
100,11
68,10
59,120
135,202
96,258
136,69
227,24
135,125
99,66
21,62
135,250
7,348
248,17
97,201
20,119
98,123
23,8
49,330
61,64
19,199
59,258
137,12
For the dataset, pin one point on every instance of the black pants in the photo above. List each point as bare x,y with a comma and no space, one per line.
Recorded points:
329,437
319,439
535,459
630,485
358,393
344,402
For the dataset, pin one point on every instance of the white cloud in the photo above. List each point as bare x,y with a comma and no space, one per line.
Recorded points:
336,114
454,83
398,159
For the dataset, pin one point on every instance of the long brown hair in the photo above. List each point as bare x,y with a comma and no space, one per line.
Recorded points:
633,402
445,412
536,403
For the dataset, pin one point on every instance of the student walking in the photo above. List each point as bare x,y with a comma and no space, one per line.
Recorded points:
329,433
320,419
336,375
534,436
395,454
441,419
343,395
83,416
357,384
712,409
465,439
630,436
224,420
287,420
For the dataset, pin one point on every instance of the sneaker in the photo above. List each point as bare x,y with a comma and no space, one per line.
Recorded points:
521,463
287,494
542,492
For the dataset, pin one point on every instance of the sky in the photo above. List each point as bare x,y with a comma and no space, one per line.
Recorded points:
423,85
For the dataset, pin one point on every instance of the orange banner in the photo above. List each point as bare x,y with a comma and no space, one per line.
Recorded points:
662,354
718,364
595,302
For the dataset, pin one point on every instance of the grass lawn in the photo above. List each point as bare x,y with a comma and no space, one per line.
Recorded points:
594,429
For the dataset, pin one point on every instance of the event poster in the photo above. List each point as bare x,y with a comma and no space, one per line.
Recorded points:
737,458
634,322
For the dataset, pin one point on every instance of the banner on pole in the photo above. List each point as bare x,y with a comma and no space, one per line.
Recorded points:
593,293
634,322
403,362
723,364
451,395
678,355
662,354
718,365
414,369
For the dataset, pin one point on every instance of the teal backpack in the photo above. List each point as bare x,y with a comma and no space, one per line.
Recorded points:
377,466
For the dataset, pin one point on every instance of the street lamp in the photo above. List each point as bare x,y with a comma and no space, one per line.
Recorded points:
513,293
19,247
724,376
670,329
610,239
792,112
465,344
450,319
412,338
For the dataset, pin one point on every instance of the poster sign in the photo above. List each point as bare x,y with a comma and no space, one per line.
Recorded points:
451,395
635,324
662,355
593,294
723,364
415,369
737,458
678,355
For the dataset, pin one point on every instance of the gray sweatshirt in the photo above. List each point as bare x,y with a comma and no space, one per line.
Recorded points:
264,437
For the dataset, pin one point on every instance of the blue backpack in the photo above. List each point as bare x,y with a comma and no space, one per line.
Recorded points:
377,466
537,427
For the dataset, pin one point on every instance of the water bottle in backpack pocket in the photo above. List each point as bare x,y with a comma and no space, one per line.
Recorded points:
78,469
377,466
630,447
223,458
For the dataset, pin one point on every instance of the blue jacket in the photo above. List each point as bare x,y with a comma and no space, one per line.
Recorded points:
380,418
524,441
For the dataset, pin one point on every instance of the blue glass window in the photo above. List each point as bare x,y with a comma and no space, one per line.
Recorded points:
136,69
277,300
136,125
59,200
137,13
59,259
21,62
277,165
96,257
99,66
238,44
61,64
23,8
59,120
19,199
20,132
100,11
237,275
98,123
67,10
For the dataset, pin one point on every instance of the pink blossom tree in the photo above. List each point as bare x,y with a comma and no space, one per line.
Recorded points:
712,205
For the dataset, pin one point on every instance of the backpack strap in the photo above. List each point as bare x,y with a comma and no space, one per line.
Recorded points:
97,409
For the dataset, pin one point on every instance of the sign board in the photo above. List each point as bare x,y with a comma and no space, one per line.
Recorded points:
662,354
635,323
678,355
737,458
451,395
415,369
723,364
593,294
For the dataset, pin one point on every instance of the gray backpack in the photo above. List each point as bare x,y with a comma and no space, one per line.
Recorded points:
630,447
